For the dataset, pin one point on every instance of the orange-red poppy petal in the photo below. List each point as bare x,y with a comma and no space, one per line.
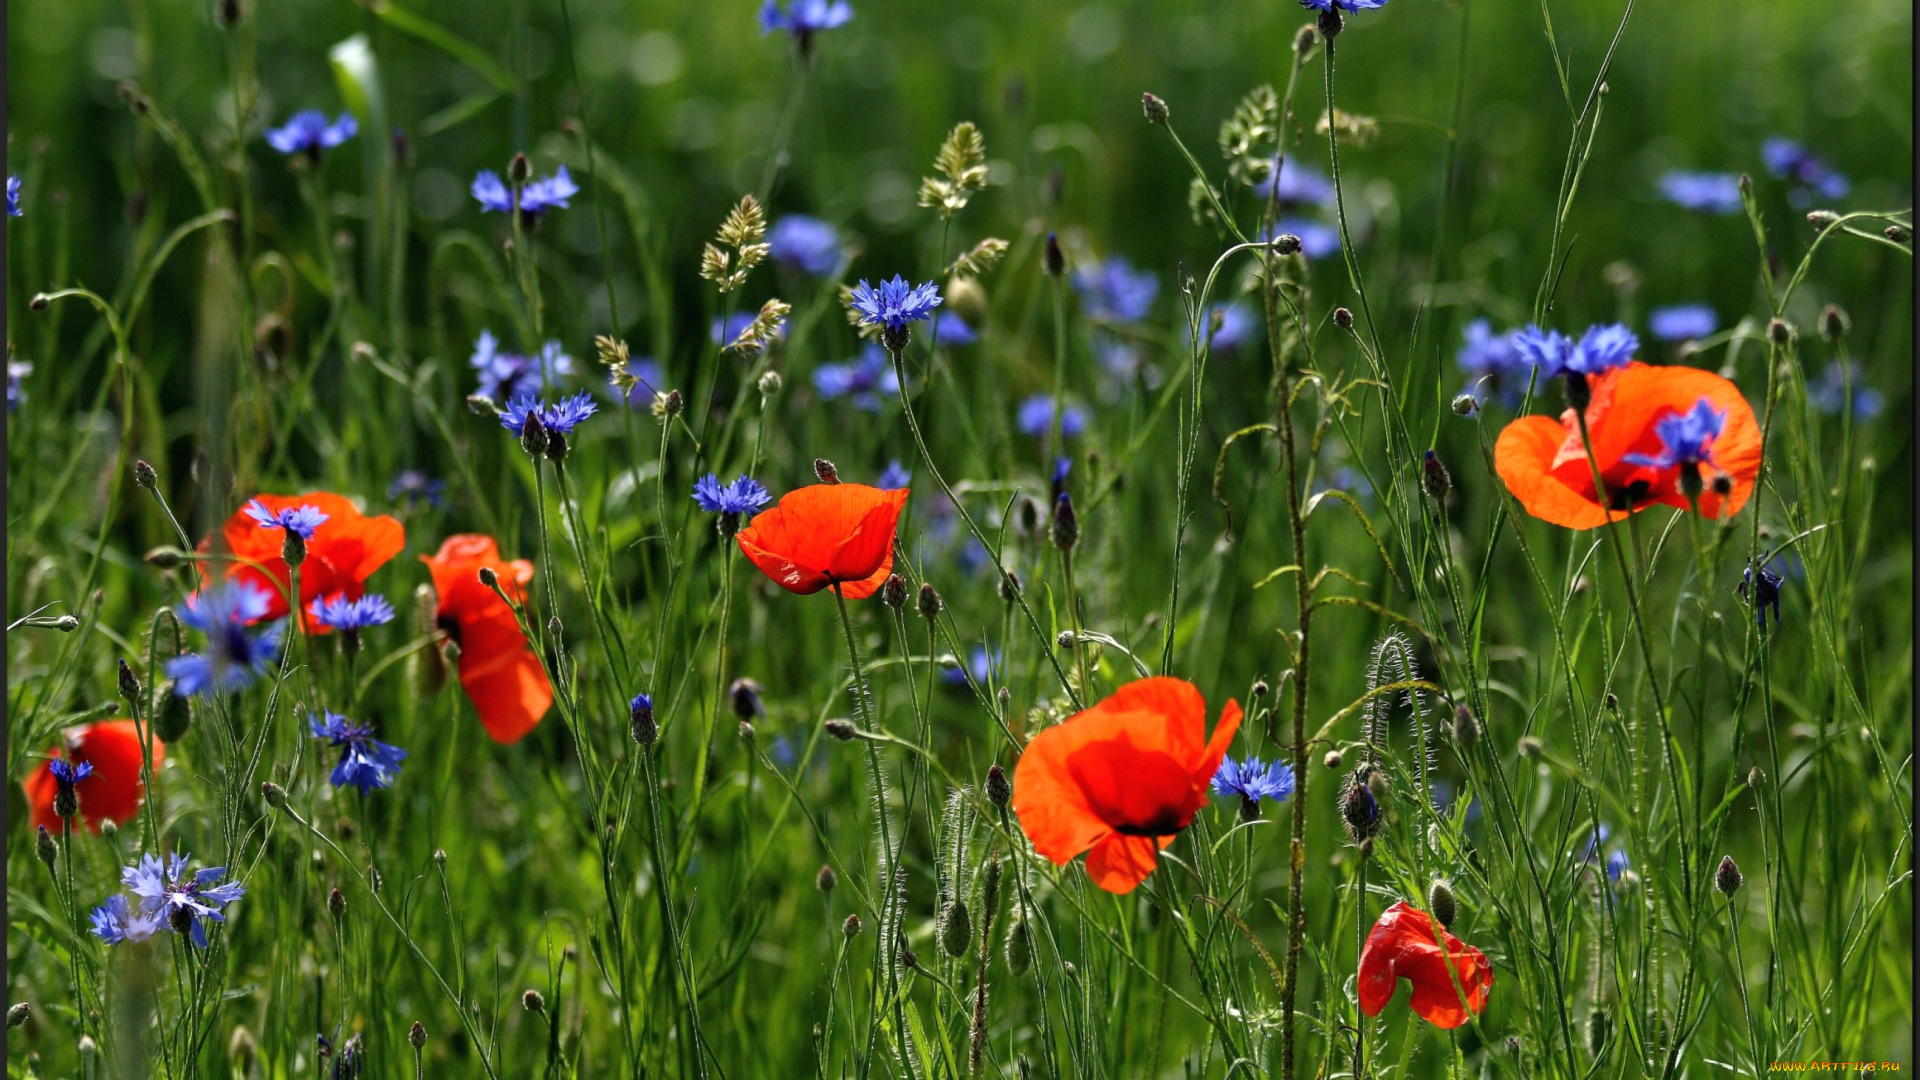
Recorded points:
345,551
503,678
1119,863
1523,456
826,533
1402,945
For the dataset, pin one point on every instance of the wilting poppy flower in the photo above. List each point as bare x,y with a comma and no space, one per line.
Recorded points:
1633,411
1401,946
1121,779
111,792
502,676
342,552
827,534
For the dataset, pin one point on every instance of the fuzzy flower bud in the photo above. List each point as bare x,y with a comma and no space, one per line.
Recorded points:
929,604
826,471
640,722
144,475
1434,478
893,592
337,905
1343,318
842,729
1019,947
165,557
769,383
45,846
851,927
1154,107
1332,761
1779,331
417,1035
1834,323
1465,405
534,1002
1728,878
1441,903
956,929
999,790
18,1013
826,879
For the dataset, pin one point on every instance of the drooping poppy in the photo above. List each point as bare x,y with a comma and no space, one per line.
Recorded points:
111,792
1120,780
499,671
827,534
1402,946
1633,412
344,550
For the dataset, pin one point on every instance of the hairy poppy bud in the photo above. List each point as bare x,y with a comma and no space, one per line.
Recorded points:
1728,878
842,730
337,904
534,1002
851,927
1834,323
46,847
956,929
144,475
1434,478
417,1035
826,471
826,879
744,696
1285,244
1066,524
17,1014
519,169
893,592
1055,258
769,383
1779,331
1155,108
1332,760
275,795
1465,405
1598,1029
1304,38
1010,586
1466,727
1019,947
999,790
1440,902
929,604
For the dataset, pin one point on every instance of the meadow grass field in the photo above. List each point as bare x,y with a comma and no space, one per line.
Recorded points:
853,539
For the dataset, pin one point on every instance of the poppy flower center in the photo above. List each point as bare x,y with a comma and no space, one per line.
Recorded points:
1135,792
450,625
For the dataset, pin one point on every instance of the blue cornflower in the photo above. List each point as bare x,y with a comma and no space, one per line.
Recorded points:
414,487
1344,5
1601,348
1546,350
1317,239
308,131
1829,395
67,776
561,417
1113,291
894,478
805,243
1236,325
894,304
1685,438
864,379
803,18
742,496
954,332
352,616
1683,322
647,382
537,197
1252,780
17,372
1713,193
180,900
1811,176
365,762
782,752
300,520
1597,840
1035,418
505,375
1485,353
233,657
1298,184
982,665
13,197
116,921
1617,864
1764,595
1062,466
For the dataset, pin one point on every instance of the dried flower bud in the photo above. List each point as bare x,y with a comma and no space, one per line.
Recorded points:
842,729
826,471
1154,107
999,790
1441,903
893,592
1343,318
929,604
826,879
1728,878
956,929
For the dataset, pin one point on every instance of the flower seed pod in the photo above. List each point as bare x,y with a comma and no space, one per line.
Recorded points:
1434,479
842,730
929,603
1019,947
1343,318
999,790
956,929
172,715
1728,878
893,592
1466,727
851,927
417,1035
534,1002
1441,903
826,471
1155,109
826,879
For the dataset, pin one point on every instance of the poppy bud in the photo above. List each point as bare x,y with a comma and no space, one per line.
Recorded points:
1332,760
1597,1031
769,383
1343,318
1285,244
337,905
46,847
1010,586
165,557
534,1002
929,605
1728,878
744,695
1155,108
1434,478
826,879
1019,947
851,927
1530,746
999,791
533,436
1465,405
1066,524
274,794
1578,392
1834,323
1899,234
293,549
893,592
18,1013
1440,902
842,730
144,475
417,1035
1466,727
1779,331
519,170
826,471
1056,259
956,929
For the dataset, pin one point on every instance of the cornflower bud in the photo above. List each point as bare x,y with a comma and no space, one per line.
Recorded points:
417,1035
1343,318
1064,640
929,604
533,436
337,905
842,729
893,592
534,1002
1531,746
144,475
826,471
1304,38
746,732
1779,331
999,790
1066,524
1056,259
673,404
129,685
1010,586
519,170
294,548
1728,878
1154,107
489,578
744,696
274,794
18,1013
851,927
1821,219
1834,323
1434,478
45,846
1466,727
909,959
440,858
826,879
1359,810
1579,393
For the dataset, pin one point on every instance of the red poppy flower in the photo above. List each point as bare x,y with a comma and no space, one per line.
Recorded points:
827,534
502,676
345,550
1121,779
1401,946
1544,464
112,793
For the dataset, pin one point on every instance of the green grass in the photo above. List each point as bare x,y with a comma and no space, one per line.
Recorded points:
665,904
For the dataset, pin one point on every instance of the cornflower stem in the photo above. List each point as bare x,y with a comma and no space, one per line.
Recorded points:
1055,434
1073,613
770,172
993,549
683,978
713,703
